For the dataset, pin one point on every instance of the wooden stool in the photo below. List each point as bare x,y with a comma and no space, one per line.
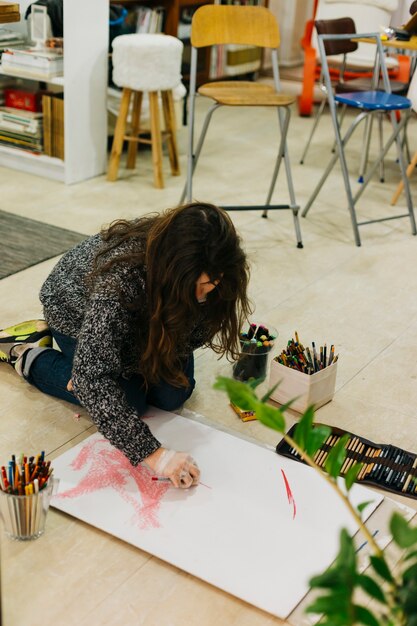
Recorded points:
151,64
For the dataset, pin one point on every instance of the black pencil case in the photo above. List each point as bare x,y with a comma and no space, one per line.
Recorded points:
385,466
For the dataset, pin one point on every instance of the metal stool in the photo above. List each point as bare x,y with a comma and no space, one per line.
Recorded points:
151,64
366,103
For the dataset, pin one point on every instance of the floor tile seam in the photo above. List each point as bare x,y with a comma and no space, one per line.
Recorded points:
313,282
381,351
123,582
373,404
68,441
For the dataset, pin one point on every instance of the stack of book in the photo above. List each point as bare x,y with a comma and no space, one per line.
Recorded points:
9,38
30,62
21,129
53,125
9,12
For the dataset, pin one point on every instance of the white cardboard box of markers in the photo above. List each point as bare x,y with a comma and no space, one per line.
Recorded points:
307,389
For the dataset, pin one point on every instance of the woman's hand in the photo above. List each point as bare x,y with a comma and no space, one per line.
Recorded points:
179,467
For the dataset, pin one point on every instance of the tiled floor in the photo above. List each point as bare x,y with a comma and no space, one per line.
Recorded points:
362,299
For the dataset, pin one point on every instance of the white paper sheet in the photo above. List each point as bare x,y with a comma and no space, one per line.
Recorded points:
258,526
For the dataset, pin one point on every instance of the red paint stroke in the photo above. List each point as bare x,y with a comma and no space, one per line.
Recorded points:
289,494
109,468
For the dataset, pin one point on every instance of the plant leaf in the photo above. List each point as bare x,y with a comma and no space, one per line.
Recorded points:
363,505
372,588
410,600
410,555
364,616
317,437
336,457
239,393
335,603
269,393
410,573
330,579
304,427
346,557
403,534
352,474
380,566
270,416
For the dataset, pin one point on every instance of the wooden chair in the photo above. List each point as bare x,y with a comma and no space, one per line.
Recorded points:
246,25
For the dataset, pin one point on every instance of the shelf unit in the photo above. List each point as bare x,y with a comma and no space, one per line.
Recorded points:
86,32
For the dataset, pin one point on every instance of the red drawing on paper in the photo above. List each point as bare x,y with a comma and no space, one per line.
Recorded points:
108,467
289,494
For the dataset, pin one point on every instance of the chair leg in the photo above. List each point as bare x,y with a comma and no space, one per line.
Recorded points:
400,187
283,153
332,161
313,130
119,135
341,118
133,145
171,128
381,147
193,155
156,139
365,152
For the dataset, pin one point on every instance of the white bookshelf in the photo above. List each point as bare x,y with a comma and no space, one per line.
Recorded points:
85,86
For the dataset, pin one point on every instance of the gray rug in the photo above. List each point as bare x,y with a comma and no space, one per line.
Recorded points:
25,242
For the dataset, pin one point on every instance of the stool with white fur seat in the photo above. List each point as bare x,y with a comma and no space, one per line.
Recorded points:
152,64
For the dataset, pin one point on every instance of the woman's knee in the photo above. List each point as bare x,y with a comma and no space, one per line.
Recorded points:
170,398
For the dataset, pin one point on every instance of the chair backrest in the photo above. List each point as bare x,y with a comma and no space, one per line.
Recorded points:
368,15
340,26
233,24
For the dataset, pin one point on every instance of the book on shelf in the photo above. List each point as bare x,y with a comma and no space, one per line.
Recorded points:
53,125
150,20
10,38
7,18
8,7
21,129
33,62
21,121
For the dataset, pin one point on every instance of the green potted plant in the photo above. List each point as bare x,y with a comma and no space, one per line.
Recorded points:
391,590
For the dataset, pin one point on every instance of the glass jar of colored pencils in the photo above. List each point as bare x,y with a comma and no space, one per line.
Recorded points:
26,488
256,343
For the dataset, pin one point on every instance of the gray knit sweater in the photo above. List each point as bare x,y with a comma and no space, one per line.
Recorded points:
106,347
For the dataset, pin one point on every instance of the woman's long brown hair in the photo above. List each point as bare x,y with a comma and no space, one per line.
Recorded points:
176,247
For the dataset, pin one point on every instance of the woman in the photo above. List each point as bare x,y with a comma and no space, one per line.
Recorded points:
127,308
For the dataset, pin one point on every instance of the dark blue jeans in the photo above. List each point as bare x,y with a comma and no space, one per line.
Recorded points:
51,371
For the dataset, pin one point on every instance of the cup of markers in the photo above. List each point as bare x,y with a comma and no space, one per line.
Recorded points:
303,375
256,343
26,488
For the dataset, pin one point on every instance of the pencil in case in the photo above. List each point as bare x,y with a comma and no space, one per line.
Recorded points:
385,466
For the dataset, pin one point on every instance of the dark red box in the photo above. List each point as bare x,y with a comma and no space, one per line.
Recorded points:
20,99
